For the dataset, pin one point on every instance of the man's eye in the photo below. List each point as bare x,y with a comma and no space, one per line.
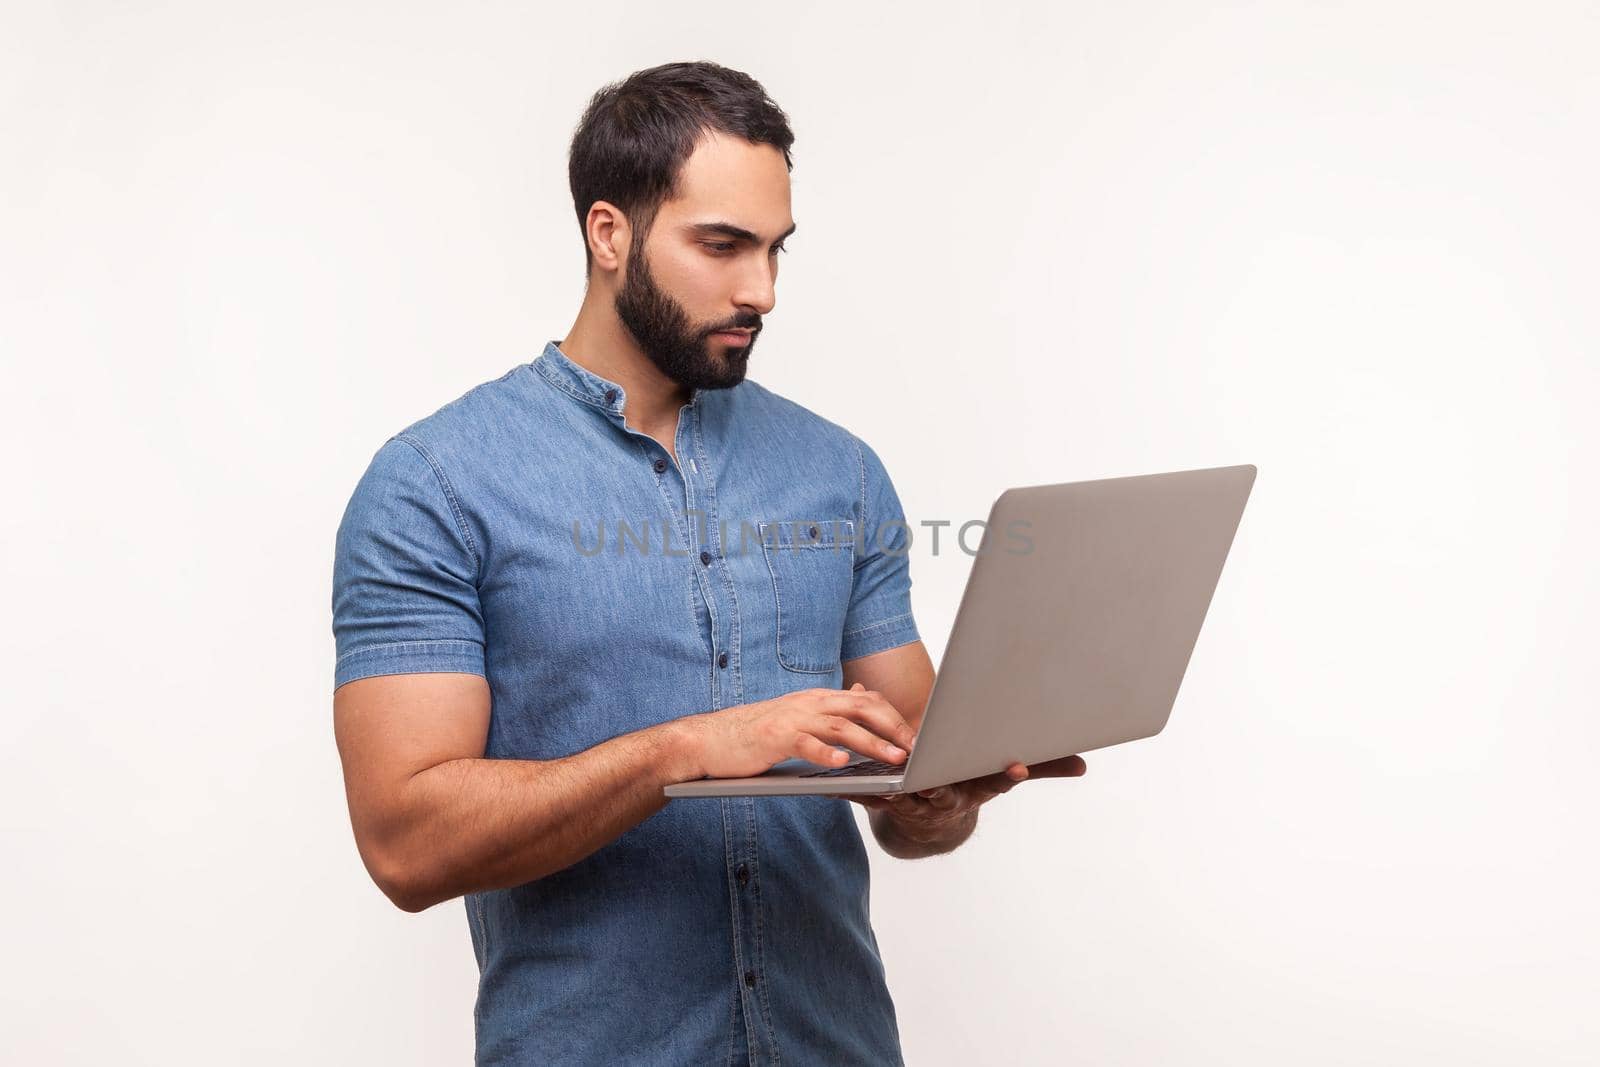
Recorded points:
724,246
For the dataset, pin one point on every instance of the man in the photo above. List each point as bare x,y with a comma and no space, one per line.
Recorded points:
515,687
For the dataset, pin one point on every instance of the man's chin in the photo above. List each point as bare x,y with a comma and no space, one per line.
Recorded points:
731,364
732,375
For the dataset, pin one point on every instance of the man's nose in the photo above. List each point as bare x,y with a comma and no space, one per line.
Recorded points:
757,290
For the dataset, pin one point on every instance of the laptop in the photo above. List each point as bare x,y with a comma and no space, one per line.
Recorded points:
1076,626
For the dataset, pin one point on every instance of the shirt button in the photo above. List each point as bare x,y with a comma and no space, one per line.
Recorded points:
611,394
812,533
705,557
660,465
722,660
750,979
742,874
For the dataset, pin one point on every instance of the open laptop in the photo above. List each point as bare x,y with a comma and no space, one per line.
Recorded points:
1076,626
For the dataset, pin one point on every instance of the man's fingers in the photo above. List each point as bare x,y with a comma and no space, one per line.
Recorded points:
941,798
992,785
880,716
811,748
1065,767
839,730
872,711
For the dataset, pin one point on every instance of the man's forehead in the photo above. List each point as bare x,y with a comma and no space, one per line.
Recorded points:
729,180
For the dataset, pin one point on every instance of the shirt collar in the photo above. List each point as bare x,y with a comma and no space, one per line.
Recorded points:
583,384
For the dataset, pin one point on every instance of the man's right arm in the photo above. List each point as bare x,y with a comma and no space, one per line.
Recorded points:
434,819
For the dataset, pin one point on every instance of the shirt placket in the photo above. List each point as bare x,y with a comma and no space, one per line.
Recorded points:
698,524
739,814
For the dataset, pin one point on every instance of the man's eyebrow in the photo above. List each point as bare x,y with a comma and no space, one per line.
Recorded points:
728,229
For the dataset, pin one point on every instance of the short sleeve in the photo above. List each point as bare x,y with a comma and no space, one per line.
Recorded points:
879,616
405,594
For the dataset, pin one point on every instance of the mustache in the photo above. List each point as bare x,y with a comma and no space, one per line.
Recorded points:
740,324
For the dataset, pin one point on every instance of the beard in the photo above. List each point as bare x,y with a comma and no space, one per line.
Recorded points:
685,353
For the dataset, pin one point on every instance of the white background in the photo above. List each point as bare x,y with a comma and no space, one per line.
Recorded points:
1352,244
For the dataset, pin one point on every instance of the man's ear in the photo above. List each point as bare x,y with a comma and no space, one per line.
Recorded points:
606,228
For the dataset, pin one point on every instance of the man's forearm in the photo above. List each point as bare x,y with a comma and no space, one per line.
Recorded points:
909,841
473,824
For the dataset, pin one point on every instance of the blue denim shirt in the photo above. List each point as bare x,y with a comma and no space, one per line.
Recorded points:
484,538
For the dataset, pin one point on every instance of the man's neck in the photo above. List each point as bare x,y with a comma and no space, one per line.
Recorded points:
602,345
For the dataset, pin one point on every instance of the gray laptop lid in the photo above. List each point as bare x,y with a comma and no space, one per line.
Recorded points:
1079,617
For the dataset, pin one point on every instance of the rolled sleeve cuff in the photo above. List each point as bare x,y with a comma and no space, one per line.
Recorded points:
878,636
410,657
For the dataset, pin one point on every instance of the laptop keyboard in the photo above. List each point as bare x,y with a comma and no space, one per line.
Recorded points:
853,770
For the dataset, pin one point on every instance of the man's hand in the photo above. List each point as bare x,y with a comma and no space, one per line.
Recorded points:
946,803
750,738
936,820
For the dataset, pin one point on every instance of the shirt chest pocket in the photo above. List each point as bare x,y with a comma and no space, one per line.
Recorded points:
812,564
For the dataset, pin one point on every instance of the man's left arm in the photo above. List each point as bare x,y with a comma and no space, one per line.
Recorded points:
933,821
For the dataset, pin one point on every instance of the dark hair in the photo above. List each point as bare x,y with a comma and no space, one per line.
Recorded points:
636,134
